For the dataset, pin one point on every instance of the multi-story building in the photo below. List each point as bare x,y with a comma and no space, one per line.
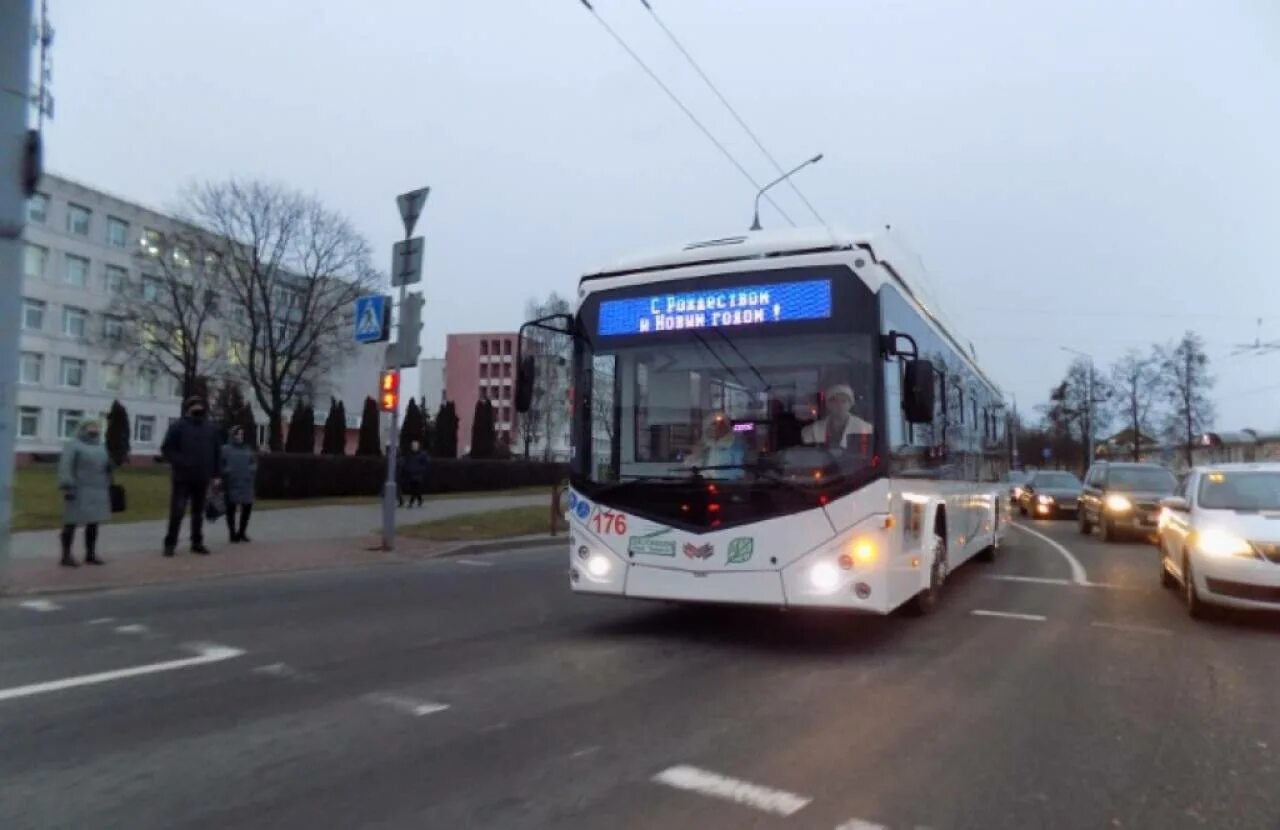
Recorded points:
481,366
81,249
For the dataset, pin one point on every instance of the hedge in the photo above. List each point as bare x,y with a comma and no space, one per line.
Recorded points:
294,476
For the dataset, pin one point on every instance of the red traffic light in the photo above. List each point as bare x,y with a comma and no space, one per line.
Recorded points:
389,391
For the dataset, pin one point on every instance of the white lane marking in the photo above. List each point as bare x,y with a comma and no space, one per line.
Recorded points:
766,799
101,621
133,628
584,752
1041,580
859,824
1138,629
417,708
1009,615
1078,575
473,563
42,605
283,671
206,653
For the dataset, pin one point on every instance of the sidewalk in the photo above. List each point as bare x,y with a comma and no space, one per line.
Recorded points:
283,540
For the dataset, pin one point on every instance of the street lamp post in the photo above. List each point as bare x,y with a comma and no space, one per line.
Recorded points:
1088,410
755,222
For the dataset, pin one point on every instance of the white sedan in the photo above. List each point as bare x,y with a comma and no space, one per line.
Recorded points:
1220,537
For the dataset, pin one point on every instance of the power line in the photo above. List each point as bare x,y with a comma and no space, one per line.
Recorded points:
724,150
741,122
1066,312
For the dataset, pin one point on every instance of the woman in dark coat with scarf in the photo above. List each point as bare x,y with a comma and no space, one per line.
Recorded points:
84,477
239,471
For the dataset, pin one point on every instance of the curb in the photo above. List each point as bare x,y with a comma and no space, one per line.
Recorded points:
499,545
398,557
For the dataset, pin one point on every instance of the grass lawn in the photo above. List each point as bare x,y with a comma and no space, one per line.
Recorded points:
489,524
37,504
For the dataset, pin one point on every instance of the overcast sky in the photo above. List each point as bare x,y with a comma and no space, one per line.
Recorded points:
1100,175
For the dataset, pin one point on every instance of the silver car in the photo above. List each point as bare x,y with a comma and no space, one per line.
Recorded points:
1219,537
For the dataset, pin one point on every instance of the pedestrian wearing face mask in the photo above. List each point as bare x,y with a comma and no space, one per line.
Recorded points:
239,470
84,477
192,448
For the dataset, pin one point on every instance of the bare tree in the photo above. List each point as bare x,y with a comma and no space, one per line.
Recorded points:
1136,381
1081,401
164,318
547,418
1184,368
292,270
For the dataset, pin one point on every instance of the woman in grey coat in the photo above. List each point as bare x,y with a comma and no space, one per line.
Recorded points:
239,469
84,477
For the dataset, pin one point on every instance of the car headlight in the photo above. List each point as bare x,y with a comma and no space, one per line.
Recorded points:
1018,492
1221,544
1117,503
1045,499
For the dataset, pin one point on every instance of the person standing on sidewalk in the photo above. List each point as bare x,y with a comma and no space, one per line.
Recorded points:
84,477
192,448
239,472
415,472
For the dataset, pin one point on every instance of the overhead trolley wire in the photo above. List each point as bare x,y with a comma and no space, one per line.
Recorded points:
732,111
688,112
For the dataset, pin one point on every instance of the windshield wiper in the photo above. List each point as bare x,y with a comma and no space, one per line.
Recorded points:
771,475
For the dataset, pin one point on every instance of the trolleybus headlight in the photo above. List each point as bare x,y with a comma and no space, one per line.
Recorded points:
824,576
598,566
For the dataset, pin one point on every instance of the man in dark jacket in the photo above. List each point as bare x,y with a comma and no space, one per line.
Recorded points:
192,448
414,472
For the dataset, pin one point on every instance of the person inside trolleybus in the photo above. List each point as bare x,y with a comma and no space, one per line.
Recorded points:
839,428
719,449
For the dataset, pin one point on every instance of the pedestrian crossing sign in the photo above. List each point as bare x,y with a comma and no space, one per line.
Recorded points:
373,319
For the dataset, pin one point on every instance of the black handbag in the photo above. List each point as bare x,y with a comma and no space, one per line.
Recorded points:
118,501
215,504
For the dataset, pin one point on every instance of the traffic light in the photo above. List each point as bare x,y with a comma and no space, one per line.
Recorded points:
389,391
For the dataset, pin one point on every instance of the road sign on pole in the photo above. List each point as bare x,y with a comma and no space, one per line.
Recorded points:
373,319
406,261
410,205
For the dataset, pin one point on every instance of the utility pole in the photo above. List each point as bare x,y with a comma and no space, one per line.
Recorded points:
17,171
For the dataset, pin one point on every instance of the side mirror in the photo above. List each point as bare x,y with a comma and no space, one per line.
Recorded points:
918,383
525,372
1176,503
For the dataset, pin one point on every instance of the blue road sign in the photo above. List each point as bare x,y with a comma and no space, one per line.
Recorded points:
1047,453
373,319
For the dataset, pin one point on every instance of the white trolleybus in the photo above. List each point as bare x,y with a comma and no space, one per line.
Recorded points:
772,419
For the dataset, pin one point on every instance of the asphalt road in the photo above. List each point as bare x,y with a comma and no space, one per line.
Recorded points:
479,693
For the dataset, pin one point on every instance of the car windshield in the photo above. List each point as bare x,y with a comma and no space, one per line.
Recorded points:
1141,479
1015,478
1244,490
1055,480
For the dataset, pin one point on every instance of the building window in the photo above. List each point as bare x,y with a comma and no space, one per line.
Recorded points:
117,232
506,347
28,422
148,381
38,208
69,422
114,279
111,373
77,273
496,348
74,321
506,393
484,348
144,429
31,368
506,414
78,219
149,242
180,258
32,315
484,370
506,370
209,346
151,288
236,352
72,372
33,261
484,393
